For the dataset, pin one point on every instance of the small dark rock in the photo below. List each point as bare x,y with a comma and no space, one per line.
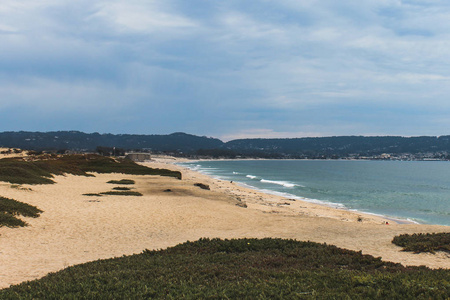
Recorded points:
241,204
202,186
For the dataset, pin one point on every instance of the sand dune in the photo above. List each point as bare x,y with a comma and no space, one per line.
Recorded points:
74,228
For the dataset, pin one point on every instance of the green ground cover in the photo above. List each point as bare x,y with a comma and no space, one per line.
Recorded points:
122,193
41,169
240,269
10,209
421,242
120,188
122,181
115,193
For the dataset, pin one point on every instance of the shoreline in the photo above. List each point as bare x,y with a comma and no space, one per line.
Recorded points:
305,159
339,206
240,188
75,228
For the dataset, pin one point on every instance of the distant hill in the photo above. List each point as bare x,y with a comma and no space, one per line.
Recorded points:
75,140
342,146
320,147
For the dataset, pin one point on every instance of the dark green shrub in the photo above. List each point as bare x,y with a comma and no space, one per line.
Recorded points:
122,181
14,207
42,168
202,186
122,193
420,242
10,220
10,208
239,269
121,188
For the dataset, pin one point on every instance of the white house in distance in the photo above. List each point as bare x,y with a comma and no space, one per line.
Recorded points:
138,157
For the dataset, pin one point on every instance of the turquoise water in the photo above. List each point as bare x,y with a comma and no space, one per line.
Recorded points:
413,190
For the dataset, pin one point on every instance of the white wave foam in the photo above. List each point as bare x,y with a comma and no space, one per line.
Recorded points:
291,196
283,183
398,220
205,170
286,195
412,221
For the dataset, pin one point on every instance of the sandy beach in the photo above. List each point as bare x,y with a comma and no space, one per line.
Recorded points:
74,228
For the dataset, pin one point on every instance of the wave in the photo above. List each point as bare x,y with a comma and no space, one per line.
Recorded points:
283,183
396,219
292,196
294,185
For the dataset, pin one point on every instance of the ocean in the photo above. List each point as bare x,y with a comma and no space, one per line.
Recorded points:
417,191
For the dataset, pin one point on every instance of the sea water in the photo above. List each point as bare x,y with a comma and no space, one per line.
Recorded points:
418,191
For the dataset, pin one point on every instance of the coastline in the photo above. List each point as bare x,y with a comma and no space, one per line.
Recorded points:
385,218
274,199
74,229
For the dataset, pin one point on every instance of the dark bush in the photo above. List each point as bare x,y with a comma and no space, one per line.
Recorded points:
41,169
10,208
202,186
121,188
420,242
122,181
10,220
239,269
122,193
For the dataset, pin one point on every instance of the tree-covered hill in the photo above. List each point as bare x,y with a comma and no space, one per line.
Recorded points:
343,145
75,140
188,144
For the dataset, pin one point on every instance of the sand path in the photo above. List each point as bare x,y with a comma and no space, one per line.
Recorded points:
74,228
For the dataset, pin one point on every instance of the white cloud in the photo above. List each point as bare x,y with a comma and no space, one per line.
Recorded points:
49,96
227,57
244,28
7,29
141,17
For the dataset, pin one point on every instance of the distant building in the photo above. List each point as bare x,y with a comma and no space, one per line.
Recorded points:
139,157
385,156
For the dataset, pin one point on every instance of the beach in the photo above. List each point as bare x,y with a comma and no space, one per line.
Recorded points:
75,228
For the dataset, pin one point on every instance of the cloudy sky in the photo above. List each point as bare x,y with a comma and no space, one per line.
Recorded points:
225,68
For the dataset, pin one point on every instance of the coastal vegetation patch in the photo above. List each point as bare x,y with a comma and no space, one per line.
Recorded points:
115,193
121,188
41,169
122,181
10,209
118,190
202,186
237,269
122,193
9,220
424,242
20,188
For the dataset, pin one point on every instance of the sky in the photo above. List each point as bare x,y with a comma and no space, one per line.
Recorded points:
227,69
